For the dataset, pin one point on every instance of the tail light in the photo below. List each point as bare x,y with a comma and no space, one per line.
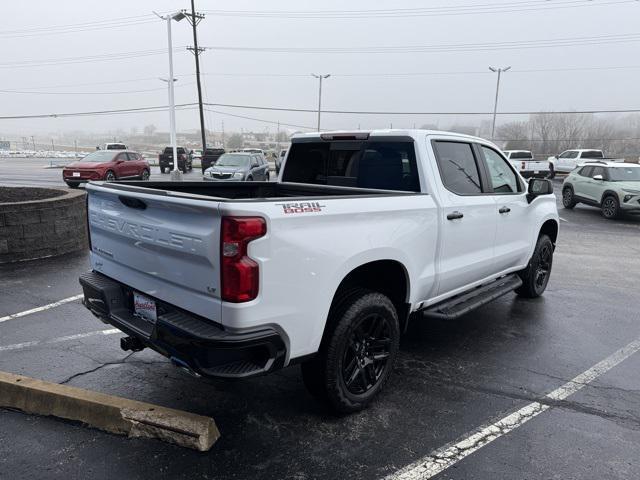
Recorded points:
523,165
240,274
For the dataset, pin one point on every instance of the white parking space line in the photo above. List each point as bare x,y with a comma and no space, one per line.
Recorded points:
20,346
450,454
40,309
564,219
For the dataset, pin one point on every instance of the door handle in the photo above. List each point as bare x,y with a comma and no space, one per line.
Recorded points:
454,215
504,210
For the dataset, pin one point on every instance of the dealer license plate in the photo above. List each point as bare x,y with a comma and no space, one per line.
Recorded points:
76,174
144,308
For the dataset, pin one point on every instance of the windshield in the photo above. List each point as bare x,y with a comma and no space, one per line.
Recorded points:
99,156
233,161
624,174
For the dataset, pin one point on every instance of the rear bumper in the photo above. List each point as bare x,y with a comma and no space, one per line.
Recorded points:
190,341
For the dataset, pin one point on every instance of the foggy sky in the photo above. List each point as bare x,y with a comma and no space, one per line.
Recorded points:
568,90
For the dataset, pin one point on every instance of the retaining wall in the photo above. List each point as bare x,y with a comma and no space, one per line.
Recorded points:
41,228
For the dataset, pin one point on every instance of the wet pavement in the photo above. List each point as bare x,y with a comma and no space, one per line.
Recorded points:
451,377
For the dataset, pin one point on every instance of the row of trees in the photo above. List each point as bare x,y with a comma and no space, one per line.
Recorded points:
549,134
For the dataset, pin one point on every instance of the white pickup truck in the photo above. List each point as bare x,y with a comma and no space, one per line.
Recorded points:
526,164
569,160
323,267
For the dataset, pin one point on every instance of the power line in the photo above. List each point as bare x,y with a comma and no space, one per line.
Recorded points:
460,47
299,110
92,93
418,74
366,112
157,108
78,27
259,119
491,8
86,58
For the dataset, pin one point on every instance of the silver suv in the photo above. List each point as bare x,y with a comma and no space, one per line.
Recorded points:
613,187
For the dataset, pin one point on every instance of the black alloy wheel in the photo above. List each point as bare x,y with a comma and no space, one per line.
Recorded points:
366,357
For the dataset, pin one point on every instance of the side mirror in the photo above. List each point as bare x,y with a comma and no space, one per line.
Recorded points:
537,187
599,178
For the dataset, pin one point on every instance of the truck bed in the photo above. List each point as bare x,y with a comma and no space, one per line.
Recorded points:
247,191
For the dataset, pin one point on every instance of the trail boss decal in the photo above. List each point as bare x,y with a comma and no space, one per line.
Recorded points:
301,207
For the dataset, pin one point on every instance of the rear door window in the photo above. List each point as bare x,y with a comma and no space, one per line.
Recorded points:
458,167
599,171
375,164
586,171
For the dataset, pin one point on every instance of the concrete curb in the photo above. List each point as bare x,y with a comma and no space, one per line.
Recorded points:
106,412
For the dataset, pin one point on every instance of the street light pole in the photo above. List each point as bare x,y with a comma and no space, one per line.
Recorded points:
320,77
499,71
177,16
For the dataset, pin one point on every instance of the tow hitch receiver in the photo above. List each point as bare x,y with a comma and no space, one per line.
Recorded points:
131,343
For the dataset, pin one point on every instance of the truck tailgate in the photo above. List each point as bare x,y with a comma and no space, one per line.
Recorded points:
164,246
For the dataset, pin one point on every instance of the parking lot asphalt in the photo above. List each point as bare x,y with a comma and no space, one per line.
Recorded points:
451,378
37,172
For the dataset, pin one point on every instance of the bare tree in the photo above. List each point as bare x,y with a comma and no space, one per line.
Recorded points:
515,135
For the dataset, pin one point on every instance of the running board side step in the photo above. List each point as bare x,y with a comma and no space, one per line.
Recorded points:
465,302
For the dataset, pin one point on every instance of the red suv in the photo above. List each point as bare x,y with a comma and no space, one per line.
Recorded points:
106,165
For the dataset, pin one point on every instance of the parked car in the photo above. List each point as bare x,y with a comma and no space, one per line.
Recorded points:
612,187
210,157
112,146
109,165
279,159
165,159
526,164
323,267
196,154
568,160
238,166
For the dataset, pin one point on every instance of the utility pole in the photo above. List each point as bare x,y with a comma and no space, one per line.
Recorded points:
194,19
34,143
320,77
75,144
499,71
53,148
222,133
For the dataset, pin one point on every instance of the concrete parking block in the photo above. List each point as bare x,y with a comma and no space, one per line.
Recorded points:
107,412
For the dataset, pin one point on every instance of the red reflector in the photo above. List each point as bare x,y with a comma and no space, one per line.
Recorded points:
240,274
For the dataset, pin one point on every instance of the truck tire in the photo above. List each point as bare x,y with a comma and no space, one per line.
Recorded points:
552,171
536,276
568,198
357,353
161,169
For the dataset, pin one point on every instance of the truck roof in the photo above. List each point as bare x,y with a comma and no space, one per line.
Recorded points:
388,132
583,150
